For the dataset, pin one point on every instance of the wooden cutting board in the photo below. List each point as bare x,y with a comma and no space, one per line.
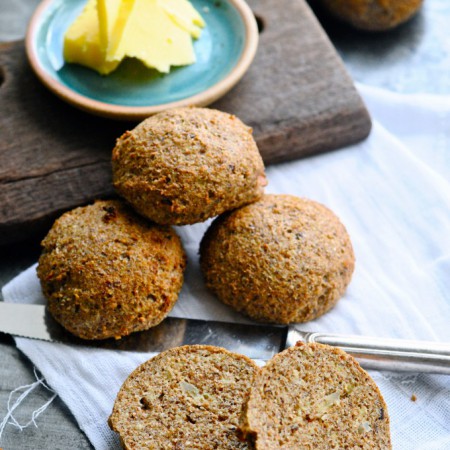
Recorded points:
297,96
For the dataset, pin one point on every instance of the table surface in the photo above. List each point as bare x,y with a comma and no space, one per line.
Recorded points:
414,58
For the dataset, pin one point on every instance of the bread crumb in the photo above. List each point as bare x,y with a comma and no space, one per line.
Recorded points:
413,398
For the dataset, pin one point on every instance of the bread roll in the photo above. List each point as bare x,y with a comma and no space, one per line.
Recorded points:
186,165
373,15
282,259
106,272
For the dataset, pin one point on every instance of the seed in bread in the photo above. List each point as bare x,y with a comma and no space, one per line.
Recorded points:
373,15
106,272
282,259
316,396
189,397
186,165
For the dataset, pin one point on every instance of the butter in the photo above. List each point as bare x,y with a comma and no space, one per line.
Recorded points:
185,15
112,18
157,32
107,12
151,35
82,42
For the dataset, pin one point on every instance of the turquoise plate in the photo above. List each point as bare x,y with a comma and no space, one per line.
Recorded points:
224,52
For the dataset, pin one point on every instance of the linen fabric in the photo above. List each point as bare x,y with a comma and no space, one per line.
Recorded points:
392,192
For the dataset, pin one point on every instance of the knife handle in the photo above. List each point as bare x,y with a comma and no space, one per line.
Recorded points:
383,354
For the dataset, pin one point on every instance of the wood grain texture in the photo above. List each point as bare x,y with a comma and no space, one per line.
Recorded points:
297,96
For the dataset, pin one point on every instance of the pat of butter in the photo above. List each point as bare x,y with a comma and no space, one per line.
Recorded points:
107,11
157,32
112,18
82,42
185,15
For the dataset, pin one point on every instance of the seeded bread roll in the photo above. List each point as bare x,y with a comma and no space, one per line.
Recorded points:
282,259
316,397
186,165
189,397
106,272
373,15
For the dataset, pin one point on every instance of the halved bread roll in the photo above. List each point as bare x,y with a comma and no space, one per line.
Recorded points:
314,396
189,397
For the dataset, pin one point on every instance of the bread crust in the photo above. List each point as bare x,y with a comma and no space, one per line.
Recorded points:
106,272
282,259
373,15
186,165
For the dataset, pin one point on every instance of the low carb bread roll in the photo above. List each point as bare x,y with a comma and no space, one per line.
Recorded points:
282,259
314,396
189,397
373,15
186,165
106,272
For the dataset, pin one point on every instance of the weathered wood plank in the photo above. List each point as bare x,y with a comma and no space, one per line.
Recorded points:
297,97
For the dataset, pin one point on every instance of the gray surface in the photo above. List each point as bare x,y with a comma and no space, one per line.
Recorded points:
415,57
57,429
412,58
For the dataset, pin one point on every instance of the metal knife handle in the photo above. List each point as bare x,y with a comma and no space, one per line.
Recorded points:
383,354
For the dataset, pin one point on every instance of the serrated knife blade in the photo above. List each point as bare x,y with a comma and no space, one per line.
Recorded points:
253,340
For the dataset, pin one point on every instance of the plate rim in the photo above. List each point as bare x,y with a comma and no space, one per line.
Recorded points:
123,112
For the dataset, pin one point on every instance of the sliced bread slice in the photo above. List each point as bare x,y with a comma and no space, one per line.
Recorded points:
189,397
314,396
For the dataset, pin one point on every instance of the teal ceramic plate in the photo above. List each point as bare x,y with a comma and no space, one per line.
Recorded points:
224,52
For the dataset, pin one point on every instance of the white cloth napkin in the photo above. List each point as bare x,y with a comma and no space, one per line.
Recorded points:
393,194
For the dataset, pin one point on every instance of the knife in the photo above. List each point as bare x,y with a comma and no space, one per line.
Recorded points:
258,341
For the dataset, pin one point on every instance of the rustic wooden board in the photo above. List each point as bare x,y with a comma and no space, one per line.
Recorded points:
297,96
